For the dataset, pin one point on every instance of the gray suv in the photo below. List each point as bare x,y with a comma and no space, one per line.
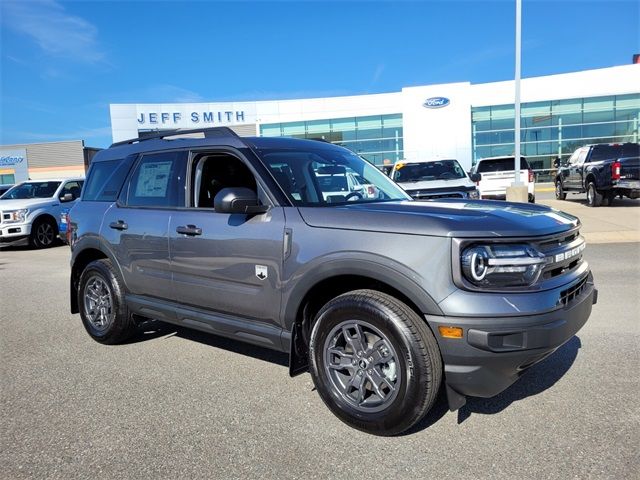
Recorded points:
385,300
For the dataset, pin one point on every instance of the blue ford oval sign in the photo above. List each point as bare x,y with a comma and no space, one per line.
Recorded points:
436,102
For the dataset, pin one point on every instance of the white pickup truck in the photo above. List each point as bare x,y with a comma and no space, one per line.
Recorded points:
29,211
497,174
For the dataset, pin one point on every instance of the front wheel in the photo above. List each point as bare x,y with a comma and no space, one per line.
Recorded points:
560,193
43,233
374,362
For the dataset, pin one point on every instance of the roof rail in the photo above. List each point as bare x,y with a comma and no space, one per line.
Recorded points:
208,132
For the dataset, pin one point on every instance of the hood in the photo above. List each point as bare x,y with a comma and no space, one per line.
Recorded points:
439,184
30,203
447,218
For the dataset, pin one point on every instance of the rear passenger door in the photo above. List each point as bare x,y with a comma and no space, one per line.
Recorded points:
136,227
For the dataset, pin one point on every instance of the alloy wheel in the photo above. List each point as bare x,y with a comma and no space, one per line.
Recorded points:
362,366
98,303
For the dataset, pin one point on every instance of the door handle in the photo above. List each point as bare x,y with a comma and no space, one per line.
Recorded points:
119,225
191,230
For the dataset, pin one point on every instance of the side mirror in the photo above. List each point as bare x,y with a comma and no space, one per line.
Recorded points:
238,200
67,197
475,177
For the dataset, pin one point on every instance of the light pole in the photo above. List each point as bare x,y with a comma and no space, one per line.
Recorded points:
517,192
516,162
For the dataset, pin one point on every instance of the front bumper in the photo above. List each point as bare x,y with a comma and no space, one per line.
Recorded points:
494,352
14,232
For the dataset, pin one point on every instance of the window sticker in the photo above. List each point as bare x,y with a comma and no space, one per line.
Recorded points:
153,179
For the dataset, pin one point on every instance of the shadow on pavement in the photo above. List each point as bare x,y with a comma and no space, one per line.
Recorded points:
154,329
536,380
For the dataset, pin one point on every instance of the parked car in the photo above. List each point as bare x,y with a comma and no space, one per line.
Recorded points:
439,178
29,211
383,300
497,174
603,171
336,184
4,188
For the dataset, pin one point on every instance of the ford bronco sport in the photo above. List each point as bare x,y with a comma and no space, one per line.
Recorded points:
384,300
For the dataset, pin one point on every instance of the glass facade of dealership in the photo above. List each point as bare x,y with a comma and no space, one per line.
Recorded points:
555,128
377,138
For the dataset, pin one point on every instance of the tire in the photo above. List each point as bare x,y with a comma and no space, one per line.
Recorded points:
44,233
594,199
532,198
399,354
560,193
101,302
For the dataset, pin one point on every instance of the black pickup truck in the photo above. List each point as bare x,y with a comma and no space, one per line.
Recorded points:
603,171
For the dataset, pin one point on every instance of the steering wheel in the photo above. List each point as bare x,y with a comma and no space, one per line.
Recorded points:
353,196
446,175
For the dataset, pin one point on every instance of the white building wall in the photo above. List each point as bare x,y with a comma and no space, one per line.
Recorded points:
444,132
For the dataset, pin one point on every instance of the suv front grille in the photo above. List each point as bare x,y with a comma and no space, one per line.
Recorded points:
563,252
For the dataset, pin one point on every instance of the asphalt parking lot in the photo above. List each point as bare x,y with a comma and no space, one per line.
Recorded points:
180,404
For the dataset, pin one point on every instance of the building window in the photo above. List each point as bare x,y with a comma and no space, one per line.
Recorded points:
555,128
378,138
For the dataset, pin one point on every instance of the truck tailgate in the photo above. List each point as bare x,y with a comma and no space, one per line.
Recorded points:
630,168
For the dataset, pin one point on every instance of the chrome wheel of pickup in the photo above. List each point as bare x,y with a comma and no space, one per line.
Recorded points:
361,364
98,303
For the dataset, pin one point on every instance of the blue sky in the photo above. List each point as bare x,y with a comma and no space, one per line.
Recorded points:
63,63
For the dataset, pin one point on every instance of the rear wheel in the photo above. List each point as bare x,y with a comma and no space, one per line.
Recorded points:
374,362
594,199
43,233
560,193
101,300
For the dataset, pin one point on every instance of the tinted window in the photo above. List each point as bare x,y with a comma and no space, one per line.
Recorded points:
604,152
32,190
500,165
438,170
74,188
157,180
105,180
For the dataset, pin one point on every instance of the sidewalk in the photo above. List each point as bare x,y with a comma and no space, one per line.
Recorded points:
617,224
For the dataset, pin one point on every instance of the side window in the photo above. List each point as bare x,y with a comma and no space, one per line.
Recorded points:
582,155
211,173
74,188
574,157
158,181
105,179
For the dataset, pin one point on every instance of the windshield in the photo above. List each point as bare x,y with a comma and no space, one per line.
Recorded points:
334,175
425,171
31,190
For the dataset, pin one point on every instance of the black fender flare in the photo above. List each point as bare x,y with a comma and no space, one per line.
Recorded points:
397,276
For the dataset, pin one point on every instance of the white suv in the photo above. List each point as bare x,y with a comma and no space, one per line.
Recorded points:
497,174
30,210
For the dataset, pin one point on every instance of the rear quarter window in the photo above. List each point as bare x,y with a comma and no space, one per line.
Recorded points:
105,180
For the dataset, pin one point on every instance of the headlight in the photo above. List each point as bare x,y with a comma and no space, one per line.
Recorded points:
15,216
475,194
502,265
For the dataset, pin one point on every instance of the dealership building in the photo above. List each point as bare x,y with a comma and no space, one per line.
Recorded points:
453,120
